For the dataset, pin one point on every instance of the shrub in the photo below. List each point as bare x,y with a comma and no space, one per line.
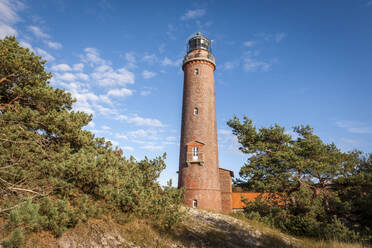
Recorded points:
15,240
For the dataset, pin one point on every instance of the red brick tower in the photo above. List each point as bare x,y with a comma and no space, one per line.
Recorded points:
198,167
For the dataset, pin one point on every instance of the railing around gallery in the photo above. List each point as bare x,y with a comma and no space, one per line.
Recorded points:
199,55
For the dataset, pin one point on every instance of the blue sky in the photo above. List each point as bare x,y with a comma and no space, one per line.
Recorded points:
285,62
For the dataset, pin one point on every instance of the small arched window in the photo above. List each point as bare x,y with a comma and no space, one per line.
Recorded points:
196,111
195,203
196,72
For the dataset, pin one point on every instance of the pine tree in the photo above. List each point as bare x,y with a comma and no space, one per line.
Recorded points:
38,130
53,168
305,173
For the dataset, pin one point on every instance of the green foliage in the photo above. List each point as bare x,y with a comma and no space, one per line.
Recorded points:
355,196
166,212
324,192
26,215
52,215
15,240
55,172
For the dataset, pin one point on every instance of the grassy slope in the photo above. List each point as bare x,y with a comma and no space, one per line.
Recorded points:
199,229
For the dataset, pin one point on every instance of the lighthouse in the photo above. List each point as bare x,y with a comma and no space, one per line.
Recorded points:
199,172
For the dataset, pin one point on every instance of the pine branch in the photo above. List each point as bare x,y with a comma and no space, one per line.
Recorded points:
25,190
6,78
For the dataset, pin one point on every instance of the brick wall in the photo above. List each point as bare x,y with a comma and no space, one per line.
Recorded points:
226,190
201,180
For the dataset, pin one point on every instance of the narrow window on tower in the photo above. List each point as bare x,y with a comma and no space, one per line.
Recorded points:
195,153
194,203
196,111
196,72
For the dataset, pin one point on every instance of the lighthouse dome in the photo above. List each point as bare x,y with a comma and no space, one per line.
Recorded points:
198,42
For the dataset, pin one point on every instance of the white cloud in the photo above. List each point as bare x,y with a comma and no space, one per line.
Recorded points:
103,68
171,138
8,11
138,133
92,57
279,37
168,143
249,43
168,62
355,127
148,74
145,92
121,136
161,48
106,76
42,35
72,78
152,147
104,127
82,76
91,124
105,99
78,67
130,57
128,148
83,106
193,14
9,16
140,121
61,67
229,65
105,111
69,77
150,134
44,54
170,32
26,45
86,101
151,59
54,45
6,30
38,32
252,53
228,141
224,132
253,65
140,142
101,132
120,92
203,25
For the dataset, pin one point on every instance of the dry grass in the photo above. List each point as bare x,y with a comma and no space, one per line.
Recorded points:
141,234
302,242
311,243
